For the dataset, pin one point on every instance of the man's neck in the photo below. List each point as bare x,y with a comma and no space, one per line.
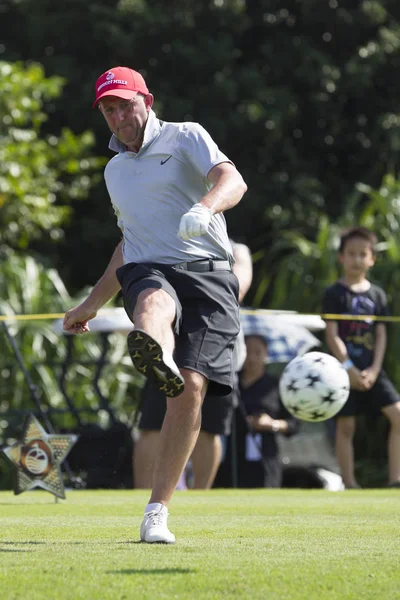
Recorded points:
135,147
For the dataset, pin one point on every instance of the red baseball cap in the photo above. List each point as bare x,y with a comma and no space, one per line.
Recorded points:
121,82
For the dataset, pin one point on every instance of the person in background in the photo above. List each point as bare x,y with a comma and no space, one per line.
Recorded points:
217,411
260,418
169,185
360,346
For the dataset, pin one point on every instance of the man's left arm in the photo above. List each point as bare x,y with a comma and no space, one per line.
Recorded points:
228,188
227,191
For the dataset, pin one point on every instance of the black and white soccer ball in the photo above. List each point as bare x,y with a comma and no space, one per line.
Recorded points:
314,387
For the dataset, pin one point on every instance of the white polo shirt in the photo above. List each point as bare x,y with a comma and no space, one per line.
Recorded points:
150,191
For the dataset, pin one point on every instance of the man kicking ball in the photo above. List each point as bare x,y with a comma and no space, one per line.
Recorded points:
169,185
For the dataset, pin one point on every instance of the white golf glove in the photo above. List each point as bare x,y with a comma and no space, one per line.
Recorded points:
195,222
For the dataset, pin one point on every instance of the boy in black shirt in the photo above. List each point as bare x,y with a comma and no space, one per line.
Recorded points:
360,346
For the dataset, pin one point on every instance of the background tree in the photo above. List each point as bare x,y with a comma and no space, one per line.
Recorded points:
301,95
39,174
306,267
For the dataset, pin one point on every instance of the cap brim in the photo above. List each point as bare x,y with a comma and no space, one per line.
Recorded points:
125,94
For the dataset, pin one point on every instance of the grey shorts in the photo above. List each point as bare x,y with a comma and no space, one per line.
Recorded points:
207,316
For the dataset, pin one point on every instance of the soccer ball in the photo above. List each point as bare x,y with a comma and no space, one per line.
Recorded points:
314,387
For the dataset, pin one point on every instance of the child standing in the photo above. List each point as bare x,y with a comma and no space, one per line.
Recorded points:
360,346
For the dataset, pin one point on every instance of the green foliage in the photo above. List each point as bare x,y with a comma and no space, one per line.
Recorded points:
301,96
39,175
305,266
27,287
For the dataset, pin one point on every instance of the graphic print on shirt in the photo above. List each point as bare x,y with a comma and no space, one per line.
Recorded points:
360,305
359,336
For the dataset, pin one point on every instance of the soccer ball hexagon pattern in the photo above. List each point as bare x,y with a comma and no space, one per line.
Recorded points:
314,387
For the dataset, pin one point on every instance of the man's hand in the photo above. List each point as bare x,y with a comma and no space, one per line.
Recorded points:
195,222
76,319
369,376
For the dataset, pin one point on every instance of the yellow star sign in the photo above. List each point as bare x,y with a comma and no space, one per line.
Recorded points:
37,458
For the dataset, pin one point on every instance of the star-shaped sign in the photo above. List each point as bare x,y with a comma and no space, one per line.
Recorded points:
37,458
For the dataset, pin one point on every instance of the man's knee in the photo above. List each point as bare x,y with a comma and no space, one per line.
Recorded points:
195,384
191,399
157,301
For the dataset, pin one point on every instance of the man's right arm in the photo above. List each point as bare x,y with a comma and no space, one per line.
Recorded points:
76,319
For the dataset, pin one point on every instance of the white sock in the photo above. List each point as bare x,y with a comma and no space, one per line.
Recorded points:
153,506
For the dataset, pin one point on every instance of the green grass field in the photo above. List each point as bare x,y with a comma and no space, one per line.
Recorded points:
269,544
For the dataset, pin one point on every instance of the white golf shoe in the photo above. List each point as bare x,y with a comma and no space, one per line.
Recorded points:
154,527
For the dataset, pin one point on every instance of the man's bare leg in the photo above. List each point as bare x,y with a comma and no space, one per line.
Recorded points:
206,458
151,342
154,313
178,436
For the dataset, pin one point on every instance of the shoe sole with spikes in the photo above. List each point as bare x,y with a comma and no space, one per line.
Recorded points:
147,357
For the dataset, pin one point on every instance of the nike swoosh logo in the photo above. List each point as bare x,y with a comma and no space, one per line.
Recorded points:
164,161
